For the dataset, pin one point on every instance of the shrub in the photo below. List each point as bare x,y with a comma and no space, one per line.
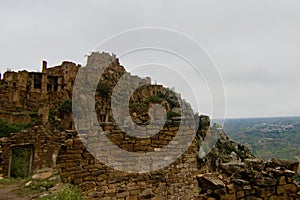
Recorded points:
103,90
36,120
65,107
9,181
69,192
6,129
40,186
51,116
172,103
162,95
37,186
297,178
154,99
172,114
216,126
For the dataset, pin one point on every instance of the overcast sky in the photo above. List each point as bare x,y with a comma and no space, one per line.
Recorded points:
255,44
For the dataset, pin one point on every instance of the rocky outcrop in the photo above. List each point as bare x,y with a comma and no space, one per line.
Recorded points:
234,173
222,150
250,179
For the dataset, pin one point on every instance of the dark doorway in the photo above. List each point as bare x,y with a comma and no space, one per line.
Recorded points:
21,160
37,79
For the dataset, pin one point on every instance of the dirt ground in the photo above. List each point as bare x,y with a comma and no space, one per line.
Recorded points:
10,192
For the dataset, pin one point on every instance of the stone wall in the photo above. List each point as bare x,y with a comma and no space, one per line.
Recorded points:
251,179
98,181
45,145
15,117
248,179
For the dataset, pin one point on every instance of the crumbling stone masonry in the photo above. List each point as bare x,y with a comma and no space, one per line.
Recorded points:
38,91
176,181
45,147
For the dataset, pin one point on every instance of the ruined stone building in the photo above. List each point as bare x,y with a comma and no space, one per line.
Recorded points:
50,141
38,91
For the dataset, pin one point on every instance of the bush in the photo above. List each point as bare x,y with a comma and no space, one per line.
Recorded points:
6,129
9,181
162,95
36,186
172,114
172,103
216,126
51,116
154,99
40,186
65,107
36,120
226,147
69,192
297,178
103,90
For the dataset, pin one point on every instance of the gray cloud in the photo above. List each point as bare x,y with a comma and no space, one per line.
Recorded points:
255,43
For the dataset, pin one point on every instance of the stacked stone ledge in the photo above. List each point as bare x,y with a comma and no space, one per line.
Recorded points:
251,179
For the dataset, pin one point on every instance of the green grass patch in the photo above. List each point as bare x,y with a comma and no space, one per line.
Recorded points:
154,99
6,128
9,181
69,192
297,178
37,186
172,114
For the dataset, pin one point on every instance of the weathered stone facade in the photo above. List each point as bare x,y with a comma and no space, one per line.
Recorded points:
24,88
45,147
22,92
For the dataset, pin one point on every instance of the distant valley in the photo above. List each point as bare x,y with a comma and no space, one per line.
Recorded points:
277,137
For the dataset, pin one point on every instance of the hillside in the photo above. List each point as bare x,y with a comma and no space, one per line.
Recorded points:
268,137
